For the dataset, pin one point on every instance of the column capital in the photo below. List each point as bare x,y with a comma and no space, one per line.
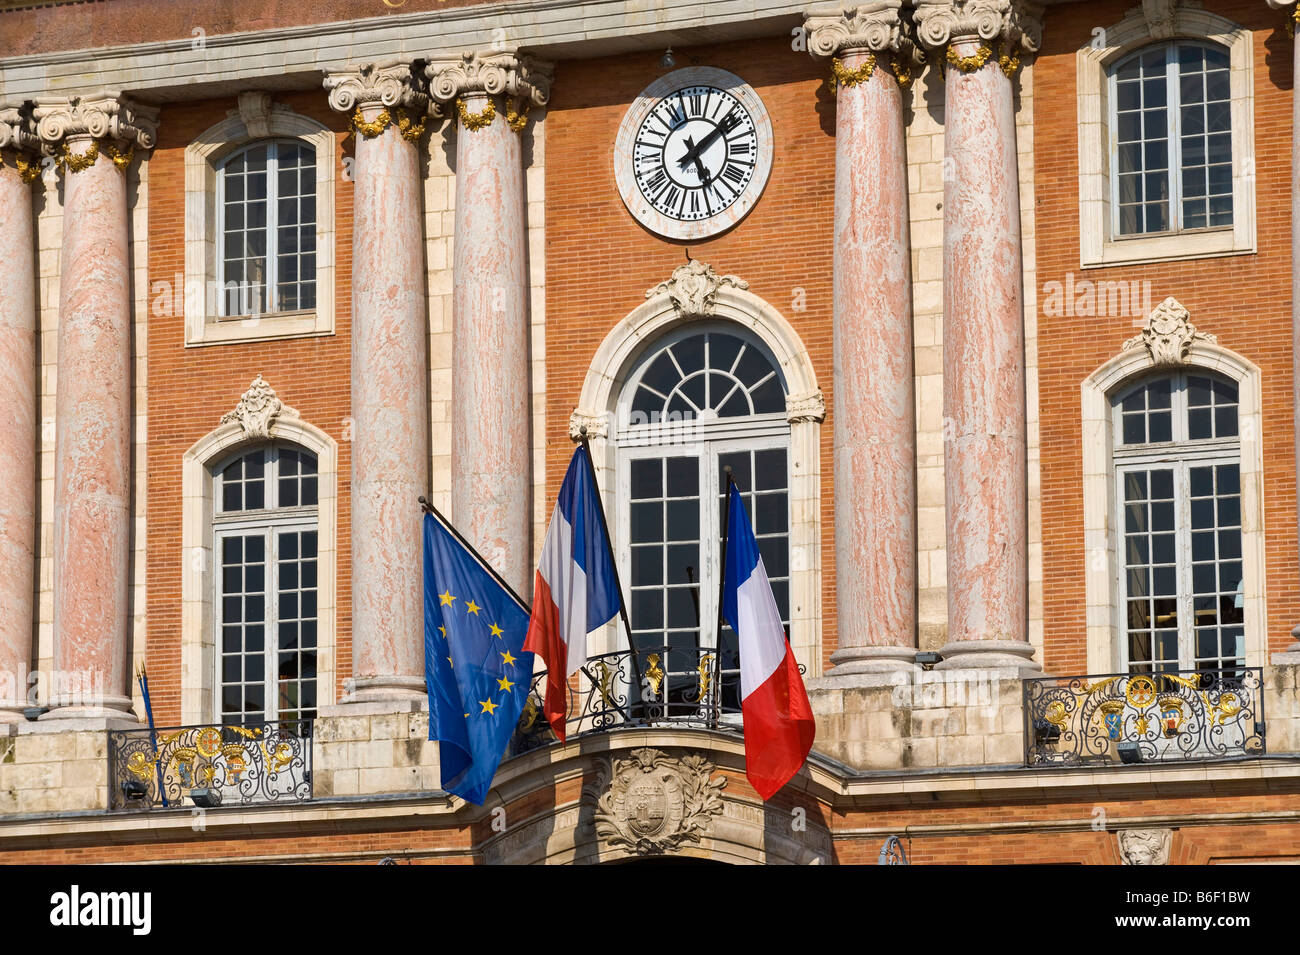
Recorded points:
1016,24
522,78
18,134
382,84
875,27
99,116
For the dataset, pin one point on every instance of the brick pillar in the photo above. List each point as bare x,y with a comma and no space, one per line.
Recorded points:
875,421
95,140
985,479
390,408
19,167
491,467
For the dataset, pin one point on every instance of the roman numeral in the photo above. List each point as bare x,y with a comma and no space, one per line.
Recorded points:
671,199
697,104
730,122
739,148
676,114
657,180
734,173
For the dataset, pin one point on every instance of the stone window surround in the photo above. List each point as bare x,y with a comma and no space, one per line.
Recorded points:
198,629
618,355
1096,247
1102,613
202,159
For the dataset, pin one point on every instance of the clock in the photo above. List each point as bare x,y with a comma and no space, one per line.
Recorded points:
693,153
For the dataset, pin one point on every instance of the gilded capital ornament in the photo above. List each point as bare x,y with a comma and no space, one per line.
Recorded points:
19,144
112,125
384,84
1015,25
876,29
475,79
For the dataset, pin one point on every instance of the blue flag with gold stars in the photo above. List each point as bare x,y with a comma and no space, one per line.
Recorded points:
475,667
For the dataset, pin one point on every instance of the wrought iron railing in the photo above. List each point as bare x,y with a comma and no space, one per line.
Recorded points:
678,684
1145,717
210,765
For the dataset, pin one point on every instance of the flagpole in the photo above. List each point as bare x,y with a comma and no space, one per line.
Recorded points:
613,559
430,509
142,678
722,594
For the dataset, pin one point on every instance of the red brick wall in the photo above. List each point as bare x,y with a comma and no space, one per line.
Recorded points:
191,388
1244,300
599,261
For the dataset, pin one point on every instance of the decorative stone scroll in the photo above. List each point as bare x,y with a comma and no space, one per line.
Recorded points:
597,425
652,803
257,410
1014,26
100,122
694,286
875,29
392,87
1160,15
521,81
1168,334
19,143
809,407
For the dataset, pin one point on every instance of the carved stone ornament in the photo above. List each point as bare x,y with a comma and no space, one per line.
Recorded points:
18,130
521,78
694,286
96,117
652,803
1015,23
383,84
809,407
875,27
255,113
597,425
257,410
1168,334
1145,846
1160,15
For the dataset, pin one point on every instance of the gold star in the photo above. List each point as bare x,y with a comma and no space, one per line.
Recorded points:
443,631
446,599
507,659
505,684
488,706
449,663
496,631
472,607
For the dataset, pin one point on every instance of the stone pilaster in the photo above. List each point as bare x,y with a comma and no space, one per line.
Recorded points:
872,58
1292,12
19,167
94,141
489,95
979,43
390,409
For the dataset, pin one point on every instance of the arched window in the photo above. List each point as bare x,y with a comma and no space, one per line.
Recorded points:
266,223
698,401
265,526
1177,462
1171,129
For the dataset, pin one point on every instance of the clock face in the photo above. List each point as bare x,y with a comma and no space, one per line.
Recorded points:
693,153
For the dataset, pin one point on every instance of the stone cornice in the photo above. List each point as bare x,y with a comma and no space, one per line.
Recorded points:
521,78
875,27
384,84
1015,24
103,116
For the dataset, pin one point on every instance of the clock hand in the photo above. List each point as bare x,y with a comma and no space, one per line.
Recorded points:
699,166
693,152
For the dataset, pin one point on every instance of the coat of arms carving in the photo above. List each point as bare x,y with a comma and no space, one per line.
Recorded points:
655,803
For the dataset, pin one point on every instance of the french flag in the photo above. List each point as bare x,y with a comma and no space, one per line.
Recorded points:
778,719
576,590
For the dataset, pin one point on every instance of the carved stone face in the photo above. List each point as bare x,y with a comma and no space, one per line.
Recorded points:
1145,846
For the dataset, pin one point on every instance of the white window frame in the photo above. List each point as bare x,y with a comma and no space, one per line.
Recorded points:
201,295
1098,245
272,229
268,520
1180,455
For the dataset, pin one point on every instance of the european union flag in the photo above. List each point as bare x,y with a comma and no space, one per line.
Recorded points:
477,672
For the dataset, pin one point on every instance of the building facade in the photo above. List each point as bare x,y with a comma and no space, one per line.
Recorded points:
988,306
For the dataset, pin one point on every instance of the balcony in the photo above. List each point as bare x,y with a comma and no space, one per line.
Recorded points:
679,685
1170,716
211,765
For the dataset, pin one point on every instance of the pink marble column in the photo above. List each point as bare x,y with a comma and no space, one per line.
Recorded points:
985,480
390,407
875,423
18,412
491,476
1289,7
92,463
